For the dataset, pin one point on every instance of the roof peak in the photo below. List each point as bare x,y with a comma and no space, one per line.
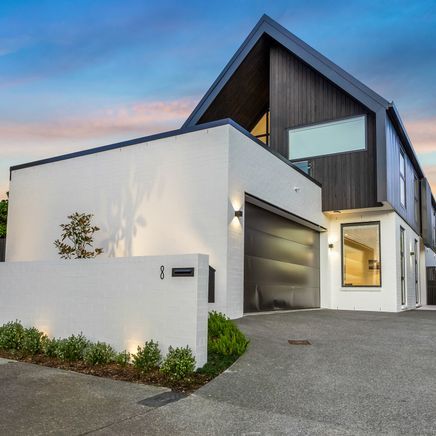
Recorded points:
334,73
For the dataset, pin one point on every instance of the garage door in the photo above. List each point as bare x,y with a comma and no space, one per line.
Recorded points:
281,262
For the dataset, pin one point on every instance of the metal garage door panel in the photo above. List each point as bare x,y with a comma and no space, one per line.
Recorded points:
281,263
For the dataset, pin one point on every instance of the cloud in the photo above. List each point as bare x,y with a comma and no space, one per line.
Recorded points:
423,134
30,138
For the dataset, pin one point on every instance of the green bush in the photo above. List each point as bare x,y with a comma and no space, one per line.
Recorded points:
11,336
50,347
99,354
179,363
123,358
147,357
72,348
224,337
33,341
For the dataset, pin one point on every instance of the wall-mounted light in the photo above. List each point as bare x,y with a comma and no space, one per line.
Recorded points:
238,213
331,245
412,253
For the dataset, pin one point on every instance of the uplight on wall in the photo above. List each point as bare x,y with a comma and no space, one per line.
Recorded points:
238,213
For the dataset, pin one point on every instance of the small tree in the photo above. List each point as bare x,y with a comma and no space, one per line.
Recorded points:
77,238
3,216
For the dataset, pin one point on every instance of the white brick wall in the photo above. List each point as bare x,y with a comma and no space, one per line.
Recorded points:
120,301
174,195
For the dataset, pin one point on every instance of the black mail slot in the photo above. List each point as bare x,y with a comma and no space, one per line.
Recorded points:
183,272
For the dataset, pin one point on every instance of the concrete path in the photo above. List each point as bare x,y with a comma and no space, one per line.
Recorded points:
364,373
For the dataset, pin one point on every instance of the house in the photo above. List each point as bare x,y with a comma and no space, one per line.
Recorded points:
299,182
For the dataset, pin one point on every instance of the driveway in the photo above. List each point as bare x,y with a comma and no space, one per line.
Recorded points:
364,373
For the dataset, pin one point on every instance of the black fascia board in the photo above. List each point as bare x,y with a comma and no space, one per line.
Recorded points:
182,131
309,55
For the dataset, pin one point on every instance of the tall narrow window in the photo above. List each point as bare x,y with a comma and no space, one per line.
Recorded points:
416,186
262,129
402,179
361,254
402,267
417,293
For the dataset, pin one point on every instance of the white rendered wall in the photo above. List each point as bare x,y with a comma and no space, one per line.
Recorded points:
122,302
388,297
173,195
255,171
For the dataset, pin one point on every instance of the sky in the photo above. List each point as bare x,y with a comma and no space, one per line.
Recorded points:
82,73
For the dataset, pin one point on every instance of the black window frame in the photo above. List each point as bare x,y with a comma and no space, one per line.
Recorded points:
320,123
403,267
403,178
344,225
416,198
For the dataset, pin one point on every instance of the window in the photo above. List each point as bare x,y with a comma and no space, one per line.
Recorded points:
416,199
328,138
361,264
402,179
262,129
304,165
402,268
416,256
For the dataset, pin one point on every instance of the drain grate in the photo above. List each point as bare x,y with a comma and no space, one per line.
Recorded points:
298,342
162,399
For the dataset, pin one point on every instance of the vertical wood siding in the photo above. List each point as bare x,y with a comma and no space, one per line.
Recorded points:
298,96
393,147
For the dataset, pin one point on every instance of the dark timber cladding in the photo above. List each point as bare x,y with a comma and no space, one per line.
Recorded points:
244,98
299,96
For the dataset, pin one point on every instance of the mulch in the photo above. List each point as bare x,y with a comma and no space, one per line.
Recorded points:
115,372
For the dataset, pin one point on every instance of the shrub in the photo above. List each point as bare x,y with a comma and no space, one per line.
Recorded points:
50,347
11,335
179,363
72,348
99,354
147,357
122,358
224,337
33,341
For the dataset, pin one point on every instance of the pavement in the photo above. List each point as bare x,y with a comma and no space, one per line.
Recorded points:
364,373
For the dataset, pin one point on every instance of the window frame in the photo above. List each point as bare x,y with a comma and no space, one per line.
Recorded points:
329,121
416,199
403,178
403,278
356,224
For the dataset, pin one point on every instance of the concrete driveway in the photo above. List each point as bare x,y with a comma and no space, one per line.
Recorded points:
364,373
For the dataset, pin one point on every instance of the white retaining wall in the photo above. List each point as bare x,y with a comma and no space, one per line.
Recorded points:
122,301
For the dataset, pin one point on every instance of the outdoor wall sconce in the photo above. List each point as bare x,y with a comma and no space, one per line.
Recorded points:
238,213
331,245
412,253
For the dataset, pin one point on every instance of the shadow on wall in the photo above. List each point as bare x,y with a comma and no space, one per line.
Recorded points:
123,206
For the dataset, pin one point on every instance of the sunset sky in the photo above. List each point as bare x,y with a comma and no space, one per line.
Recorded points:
78,74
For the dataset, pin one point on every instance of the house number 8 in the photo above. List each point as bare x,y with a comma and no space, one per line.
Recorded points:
162,272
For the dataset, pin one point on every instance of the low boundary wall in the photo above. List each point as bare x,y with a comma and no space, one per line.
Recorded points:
121,301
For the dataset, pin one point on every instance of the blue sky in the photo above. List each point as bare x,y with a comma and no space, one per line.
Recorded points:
77,74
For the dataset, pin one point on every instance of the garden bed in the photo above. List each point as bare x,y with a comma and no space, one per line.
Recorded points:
116,372
175,371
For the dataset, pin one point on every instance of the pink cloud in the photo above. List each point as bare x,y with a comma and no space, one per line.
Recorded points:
423,134
137,117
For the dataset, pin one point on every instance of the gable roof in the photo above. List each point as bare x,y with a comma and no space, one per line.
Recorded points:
267,26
